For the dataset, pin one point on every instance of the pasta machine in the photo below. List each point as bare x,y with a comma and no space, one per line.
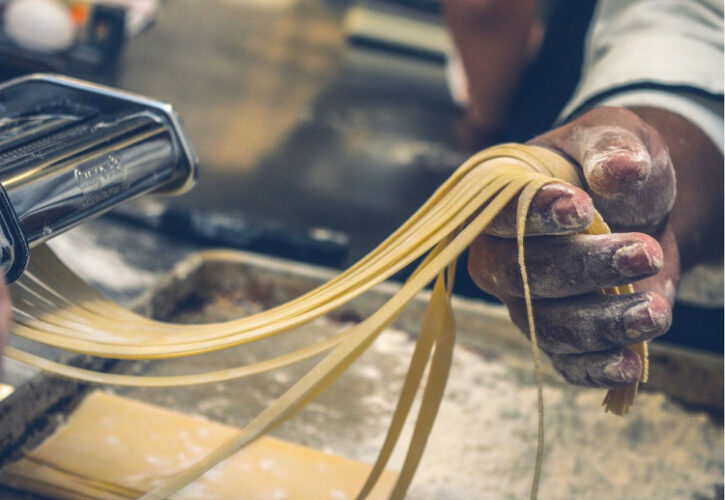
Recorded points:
72,150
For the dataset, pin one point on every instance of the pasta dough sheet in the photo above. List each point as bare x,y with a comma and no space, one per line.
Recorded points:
115,448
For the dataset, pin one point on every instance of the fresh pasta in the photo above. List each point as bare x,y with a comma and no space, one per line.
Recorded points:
55,307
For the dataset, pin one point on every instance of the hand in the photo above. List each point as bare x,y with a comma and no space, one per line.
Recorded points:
629,177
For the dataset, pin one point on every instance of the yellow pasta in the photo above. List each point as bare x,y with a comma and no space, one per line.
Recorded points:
55,307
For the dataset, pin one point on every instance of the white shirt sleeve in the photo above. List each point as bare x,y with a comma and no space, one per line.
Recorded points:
660,53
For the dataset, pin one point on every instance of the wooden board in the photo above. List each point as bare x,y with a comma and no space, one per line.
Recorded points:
114,448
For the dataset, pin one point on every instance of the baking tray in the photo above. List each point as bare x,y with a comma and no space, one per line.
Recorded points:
483,444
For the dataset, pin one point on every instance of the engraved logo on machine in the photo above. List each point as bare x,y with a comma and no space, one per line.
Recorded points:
99,173
100,177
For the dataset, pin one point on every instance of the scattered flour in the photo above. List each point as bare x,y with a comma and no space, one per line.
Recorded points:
484,441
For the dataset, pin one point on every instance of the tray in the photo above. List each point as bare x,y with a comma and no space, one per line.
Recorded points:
484,440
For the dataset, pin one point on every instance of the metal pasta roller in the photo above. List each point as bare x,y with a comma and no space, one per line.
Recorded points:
71,150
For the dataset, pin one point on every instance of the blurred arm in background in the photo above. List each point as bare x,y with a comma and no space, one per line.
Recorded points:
495,39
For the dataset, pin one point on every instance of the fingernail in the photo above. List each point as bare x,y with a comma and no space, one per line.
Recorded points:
653,315
624,370
572,212
634,260
615,169
613,372
639,320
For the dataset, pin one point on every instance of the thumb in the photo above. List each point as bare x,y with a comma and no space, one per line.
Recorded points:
625,163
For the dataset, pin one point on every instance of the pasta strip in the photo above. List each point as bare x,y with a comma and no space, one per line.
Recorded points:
55,307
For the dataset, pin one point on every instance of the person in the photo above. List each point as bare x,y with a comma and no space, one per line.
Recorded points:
645,128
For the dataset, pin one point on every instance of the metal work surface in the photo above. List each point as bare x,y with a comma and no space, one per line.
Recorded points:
483,443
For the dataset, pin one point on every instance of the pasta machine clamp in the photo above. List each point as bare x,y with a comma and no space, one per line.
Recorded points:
71,150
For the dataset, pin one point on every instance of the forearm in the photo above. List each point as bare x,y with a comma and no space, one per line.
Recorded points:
697,216
492,37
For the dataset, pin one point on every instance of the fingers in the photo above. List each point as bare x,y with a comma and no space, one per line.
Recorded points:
626,165
615,369
585,336
562,266
556,209
594,322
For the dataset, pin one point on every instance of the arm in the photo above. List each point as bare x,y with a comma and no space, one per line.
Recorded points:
495,39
